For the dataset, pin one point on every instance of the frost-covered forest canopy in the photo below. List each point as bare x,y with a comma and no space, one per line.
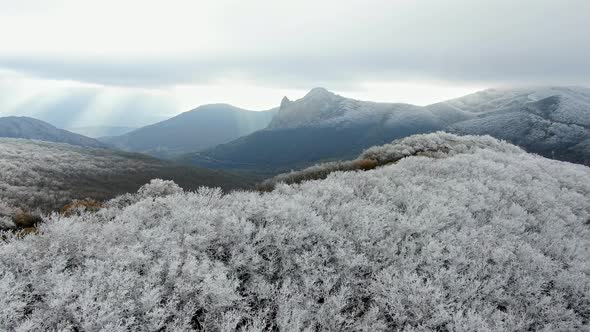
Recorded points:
36,175
463,234
439,145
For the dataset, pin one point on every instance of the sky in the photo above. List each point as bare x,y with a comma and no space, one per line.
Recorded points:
112,62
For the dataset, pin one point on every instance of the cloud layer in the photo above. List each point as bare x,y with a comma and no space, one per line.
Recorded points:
303,43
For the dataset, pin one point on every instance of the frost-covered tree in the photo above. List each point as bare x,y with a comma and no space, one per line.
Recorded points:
158,188
471,234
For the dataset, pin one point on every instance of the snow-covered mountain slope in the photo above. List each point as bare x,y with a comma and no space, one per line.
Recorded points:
198,129
576,100
25,127
321,108
45,176
477,236
555,126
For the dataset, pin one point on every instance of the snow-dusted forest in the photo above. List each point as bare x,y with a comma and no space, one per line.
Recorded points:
451,234
37,175
34,173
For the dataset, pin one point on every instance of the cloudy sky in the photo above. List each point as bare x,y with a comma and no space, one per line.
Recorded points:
80,63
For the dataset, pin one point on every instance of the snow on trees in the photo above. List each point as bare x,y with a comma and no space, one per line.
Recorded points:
484,237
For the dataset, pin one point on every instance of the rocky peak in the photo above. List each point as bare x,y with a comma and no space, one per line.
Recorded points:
285,102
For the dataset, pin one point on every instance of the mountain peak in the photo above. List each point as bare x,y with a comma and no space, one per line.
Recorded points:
318,92
285,102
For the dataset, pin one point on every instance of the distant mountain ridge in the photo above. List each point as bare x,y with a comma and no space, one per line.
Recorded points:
201,128
319,126
26,127
323,126
551,121
492,100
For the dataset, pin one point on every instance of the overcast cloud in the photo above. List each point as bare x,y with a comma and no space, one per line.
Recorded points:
286,46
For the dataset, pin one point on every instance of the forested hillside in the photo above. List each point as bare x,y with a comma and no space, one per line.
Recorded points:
454,234
36,175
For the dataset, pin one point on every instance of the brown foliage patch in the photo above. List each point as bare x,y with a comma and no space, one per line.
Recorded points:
318,172
80,205
365,164
24,219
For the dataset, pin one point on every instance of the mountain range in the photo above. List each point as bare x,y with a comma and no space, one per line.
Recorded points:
323,126
319,126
